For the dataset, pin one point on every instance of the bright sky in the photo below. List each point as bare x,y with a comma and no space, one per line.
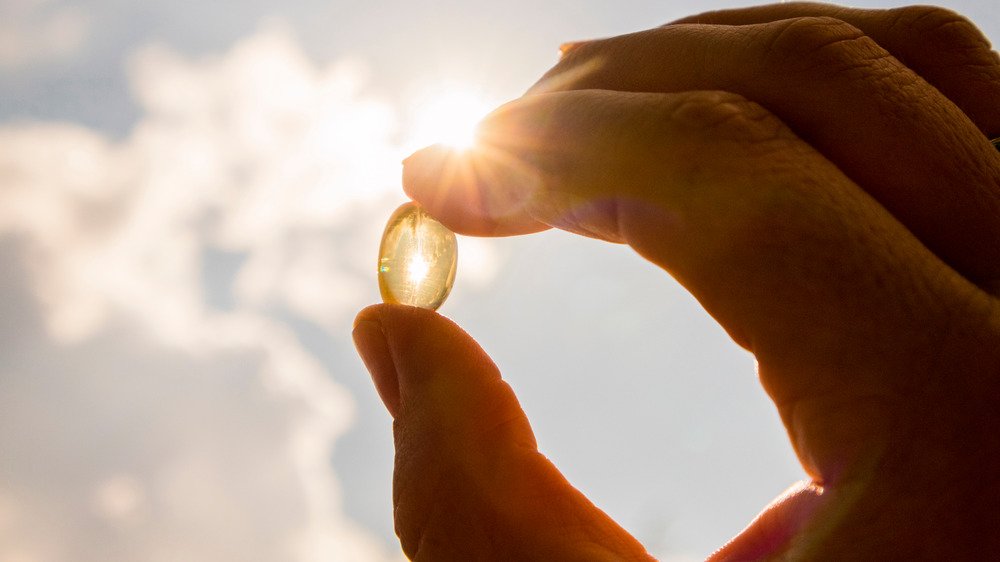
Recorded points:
191,195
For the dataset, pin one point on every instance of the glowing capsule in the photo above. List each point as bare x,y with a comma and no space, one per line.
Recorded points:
417,259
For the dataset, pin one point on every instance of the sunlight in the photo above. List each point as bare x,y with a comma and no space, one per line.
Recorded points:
448,116
417,269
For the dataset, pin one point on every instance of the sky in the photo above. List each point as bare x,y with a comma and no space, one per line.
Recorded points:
191,197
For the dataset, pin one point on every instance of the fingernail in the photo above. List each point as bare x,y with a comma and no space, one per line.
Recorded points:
425,157
567,47
370,341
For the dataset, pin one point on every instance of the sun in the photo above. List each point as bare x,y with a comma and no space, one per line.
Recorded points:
449,116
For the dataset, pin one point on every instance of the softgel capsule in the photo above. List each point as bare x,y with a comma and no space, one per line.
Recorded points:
416,259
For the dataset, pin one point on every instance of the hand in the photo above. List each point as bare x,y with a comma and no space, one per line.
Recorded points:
821,180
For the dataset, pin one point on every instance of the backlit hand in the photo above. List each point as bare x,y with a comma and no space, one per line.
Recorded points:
820,179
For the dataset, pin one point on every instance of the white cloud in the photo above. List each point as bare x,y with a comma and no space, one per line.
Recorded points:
257,152
218,445
33,31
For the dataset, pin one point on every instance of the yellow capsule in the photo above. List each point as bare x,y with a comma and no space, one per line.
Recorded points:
417,259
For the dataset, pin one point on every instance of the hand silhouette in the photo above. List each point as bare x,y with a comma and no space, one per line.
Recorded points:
821,180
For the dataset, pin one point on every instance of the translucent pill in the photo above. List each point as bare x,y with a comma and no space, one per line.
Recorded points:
417,259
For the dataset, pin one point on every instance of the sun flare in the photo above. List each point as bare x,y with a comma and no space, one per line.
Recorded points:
417,269
448,116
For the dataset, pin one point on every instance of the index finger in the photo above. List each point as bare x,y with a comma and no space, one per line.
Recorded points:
835,298
461,188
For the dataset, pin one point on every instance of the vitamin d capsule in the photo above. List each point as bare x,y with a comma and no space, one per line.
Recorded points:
417,259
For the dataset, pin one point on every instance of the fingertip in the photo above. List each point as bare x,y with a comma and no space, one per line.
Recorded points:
425,166
568,46
440,180
416,356
471,191
392,340
399,323
368,313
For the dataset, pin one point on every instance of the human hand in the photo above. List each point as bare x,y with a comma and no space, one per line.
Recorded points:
820,179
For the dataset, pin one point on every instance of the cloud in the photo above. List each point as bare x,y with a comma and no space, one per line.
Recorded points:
34,31
257,154
155,371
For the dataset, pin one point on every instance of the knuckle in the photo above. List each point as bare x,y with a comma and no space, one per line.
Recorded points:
415,482
937,37
416,477
414,526
825,44
722,116
755,159
938,28
438,464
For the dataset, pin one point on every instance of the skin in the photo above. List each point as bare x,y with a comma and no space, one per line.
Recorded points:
821,180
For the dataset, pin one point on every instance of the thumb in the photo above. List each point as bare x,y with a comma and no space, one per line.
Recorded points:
469,482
